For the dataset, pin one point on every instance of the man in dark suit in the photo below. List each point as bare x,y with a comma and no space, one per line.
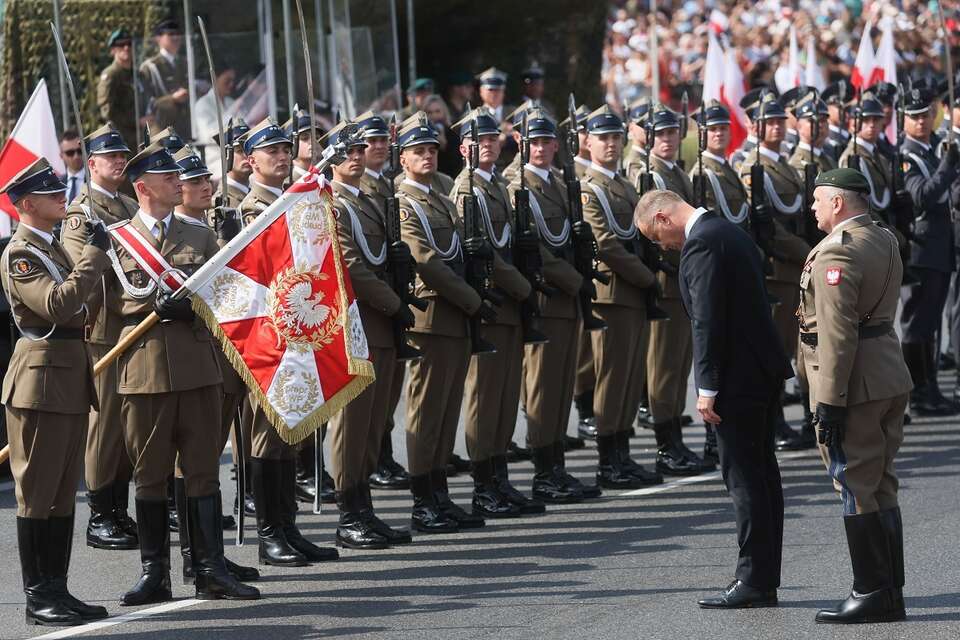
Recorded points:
739,366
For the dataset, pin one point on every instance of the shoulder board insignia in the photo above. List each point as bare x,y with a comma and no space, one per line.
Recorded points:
73,222
21,267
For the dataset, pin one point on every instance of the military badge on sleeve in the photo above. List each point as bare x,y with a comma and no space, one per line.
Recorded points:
74,223
833,276
584,198
404,215
21,268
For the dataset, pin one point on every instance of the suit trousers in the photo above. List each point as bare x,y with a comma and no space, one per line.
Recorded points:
357,429
668,362
105,458
750,472
46,458
159,427
434,396
548,373
616,362
492,393
923,304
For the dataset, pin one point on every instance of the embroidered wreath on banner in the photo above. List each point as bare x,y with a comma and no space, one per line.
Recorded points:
231,295
294,390
298,312
307,223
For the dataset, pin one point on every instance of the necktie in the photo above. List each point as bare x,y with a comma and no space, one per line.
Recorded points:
161,233
72,191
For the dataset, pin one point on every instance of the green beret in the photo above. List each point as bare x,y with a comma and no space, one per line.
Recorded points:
118,36
847,179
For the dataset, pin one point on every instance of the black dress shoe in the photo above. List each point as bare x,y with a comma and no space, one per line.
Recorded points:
740,595
393,536
865,608
457,465
516,453
387,478
249,506
645,421
686,420
228,522
446,506
103,530
671,462
426,516
587,428
572,444
355,532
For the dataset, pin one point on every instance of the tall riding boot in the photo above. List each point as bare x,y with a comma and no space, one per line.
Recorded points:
671,461
103,531
180,497
587,422
711,451
548,484
121,501
44,606
60,537
213,580
306,484
464,520
893,527
393,536
872,598
354,530
525,504
488,500
933,385
288,515
274,548
426,515
172,524
389,474
622,440
560,465
154,532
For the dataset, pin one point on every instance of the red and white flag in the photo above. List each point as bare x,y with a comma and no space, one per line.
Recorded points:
719,22
812,73
731,94
33,137
279,299
887,67
787,76
865,69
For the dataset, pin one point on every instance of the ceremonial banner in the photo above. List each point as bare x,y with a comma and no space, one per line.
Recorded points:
279,299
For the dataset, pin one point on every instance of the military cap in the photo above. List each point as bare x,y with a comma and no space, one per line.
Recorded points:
493,78
637,111
769,108
516,116
118,37
106,139
531,73
540,124
751,99
838,93
154,158
663,118
416,130
421,84
170,139
37,178
238,128
791,97
339,134
845,178
168,25
917,101
581,114
486,123
266,134
303,123
603,120
712,113
809,105
869,106
373,126
884,92
191,165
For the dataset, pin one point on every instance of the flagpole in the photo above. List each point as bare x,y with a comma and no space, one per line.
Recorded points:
654,53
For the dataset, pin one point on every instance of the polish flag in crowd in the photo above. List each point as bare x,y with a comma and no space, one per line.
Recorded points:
812,73
723,81
33,137
865,70
789,76
886,69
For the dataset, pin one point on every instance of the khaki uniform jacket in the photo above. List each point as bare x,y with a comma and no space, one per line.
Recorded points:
171,356
235,195
634,165
440,282
558,271
731,198
376,299
255,202
801,156
877,169
844,279
505,275
50,375
106,328
581,165
674,179
115,101
160,79
629,276
441,182
379,188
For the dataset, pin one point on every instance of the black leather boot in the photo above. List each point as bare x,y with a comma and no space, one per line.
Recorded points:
426,515
670,460
611,473
213,580
60,532
186,554
44,606
274,549
488,501
306,486
548,484
872,598
711,452
288,515
121,501
893,528
154,532
933,385
390,474
676,434
808,432
921,402
393,535
355,531
560,460
622,440
526,505
172,524
464,520
103,531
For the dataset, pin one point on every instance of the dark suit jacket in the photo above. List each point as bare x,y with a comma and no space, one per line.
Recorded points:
736,349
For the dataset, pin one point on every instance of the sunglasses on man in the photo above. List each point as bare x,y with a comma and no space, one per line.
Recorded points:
71,152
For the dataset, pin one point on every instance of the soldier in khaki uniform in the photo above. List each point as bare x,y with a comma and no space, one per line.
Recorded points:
273,462
115,88
358,430
107,467
430,226
302,153
48,389
163,77
806,110
492,391
389,473
859,386
635,162
238,177
670,352
608,204
170,381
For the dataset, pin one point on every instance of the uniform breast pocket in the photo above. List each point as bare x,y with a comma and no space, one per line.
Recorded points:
48,377
187,261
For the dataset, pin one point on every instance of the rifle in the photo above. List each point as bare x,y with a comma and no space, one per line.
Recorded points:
699,180
852,160
761,220
400,279
526,248
684,127
477,270
583,243
642,246
810,171
902,209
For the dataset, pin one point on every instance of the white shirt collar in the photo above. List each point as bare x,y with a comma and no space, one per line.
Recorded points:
792,132
79,175
43,234
712,156
772,155
834,128
169,57
238,185
488,176
752,139
582,161
423,187
543,173
692,220
922,144
866,145
351,189
606,172
96,187
273,190
373,174
806,147
150,222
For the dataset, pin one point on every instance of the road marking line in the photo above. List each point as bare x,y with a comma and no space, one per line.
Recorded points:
127,617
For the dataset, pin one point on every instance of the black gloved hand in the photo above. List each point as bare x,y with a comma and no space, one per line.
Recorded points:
531,305
476,248
228,224
830,422
404,317
169,308
950,154
97,235
589,288
527,242
399,253
582,231
486,312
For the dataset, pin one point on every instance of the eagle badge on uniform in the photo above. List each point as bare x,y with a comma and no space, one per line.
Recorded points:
74,223
21,267
833,276
404,214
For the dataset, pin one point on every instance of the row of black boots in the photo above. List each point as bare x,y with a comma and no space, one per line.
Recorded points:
926,398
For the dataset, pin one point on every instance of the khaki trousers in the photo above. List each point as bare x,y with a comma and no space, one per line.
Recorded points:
548,376
492,393
105,458
616,363
668,361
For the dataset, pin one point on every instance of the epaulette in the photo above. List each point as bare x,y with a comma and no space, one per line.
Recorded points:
193,221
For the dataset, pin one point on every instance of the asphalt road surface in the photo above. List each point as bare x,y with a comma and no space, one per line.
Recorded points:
629,565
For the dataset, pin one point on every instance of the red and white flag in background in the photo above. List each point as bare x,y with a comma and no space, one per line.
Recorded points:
865,71
723,81
719,22
279,299
886,65
812,73
33,137
787,76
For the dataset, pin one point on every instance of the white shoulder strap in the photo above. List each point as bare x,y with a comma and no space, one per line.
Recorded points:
624,234
361,239
445,254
